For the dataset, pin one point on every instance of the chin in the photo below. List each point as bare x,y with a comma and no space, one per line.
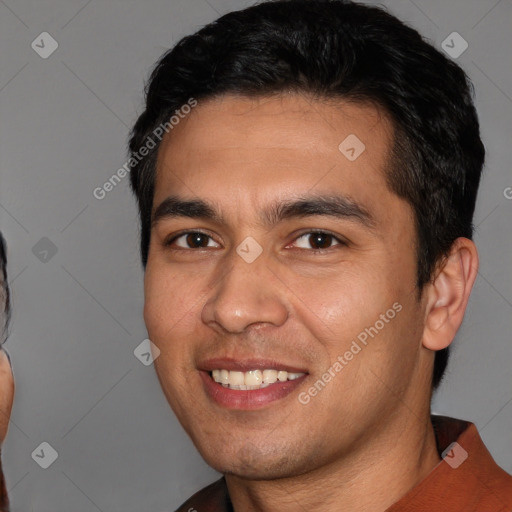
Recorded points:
251,463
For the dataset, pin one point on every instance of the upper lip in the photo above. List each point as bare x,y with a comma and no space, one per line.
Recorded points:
245,365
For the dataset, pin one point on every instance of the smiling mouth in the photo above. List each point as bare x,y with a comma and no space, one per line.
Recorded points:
252,379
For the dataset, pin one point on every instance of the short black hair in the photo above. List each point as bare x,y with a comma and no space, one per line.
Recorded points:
336,49
5,295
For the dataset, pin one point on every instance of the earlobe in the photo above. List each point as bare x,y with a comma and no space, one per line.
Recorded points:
448,294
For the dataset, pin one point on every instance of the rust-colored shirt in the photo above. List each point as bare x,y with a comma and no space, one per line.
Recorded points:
466,480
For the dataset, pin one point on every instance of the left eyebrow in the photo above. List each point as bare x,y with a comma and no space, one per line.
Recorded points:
340,207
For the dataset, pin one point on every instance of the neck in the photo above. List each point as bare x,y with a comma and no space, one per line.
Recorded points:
373,478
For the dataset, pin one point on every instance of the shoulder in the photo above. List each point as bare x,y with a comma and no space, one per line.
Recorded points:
466,478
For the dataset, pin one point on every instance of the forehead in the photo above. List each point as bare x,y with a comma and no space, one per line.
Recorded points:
234,148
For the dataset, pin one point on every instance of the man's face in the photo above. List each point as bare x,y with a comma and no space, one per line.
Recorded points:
302,302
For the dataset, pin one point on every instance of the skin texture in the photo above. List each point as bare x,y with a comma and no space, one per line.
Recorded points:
6,400
7,388
6,393
366,438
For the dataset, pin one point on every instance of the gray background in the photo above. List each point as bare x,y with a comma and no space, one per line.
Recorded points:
78,313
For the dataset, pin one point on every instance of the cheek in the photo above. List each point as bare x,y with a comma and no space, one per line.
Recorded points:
370,308
343,301
167,315
168,305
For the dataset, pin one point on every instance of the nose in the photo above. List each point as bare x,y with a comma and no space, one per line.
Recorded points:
247,294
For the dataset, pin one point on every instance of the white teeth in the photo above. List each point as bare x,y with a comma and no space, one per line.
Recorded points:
269,376
224,377
282,376
253,379
236,379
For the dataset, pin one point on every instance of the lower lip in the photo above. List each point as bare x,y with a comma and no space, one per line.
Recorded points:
248,399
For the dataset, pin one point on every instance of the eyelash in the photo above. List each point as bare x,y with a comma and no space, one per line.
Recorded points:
169,242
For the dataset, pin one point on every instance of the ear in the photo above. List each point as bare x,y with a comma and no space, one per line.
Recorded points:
447,296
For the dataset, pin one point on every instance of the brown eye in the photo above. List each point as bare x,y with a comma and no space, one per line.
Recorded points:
197,240
317,240
191,240
320,240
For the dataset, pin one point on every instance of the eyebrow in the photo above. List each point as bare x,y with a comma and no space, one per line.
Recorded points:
336,206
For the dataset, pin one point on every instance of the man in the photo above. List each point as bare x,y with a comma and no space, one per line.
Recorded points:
306,174
6,375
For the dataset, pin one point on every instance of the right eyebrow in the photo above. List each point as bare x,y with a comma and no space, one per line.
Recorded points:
173,207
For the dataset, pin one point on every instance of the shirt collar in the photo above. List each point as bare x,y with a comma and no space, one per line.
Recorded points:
467,478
